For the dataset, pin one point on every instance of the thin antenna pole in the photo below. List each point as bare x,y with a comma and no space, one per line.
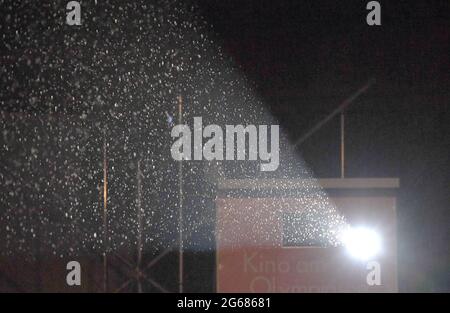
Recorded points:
139,217
105,216
339,109
180,203
342,145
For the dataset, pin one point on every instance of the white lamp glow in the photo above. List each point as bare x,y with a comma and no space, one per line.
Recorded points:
361,243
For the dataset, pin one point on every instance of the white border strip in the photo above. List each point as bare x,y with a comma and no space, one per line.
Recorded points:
326,183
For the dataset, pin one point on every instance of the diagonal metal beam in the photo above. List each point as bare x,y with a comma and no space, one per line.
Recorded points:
338,110
154,283
123,260
123,286
155,260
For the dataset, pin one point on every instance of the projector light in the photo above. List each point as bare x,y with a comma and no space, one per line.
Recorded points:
361,243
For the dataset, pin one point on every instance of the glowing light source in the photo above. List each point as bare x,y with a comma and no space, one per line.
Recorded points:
361,243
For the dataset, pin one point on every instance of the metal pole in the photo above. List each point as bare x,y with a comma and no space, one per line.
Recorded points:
180,203
139,217
342,146
339,109
105,216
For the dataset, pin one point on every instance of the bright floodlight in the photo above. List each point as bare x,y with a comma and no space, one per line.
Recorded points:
362,243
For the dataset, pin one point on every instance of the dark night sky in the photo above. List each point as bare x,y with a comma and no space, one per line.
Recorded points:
305,57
